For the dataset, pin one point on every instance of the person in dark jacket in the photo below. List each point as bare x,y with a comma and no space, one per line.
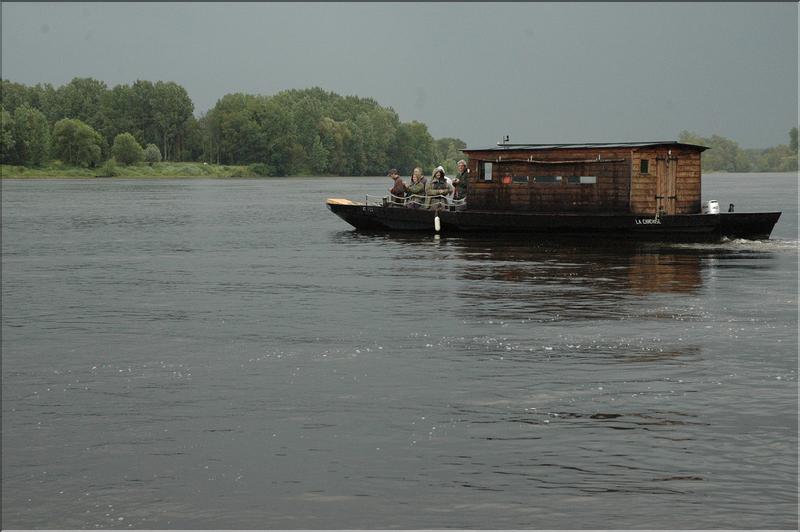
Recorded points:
399,188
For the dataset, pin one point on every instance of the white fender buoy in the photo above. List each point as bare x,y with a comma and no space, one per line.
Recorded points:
437,225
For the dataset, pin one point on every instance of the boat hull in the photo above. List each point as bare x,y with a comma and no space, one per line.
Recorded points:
683,227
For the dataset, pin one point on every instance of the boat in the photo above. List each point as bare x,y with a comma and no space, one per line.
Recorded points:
633,190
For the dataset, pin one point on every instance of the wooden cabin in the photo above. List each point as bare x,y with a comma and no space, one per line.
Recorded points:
644,178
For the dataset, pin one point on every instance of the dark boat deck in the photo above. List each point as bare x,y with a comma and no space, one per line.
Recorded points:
679,227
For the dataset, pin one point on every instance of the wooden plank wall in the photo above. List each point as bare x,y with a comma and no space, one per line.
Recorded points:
643,186
620,187
611,193
687,185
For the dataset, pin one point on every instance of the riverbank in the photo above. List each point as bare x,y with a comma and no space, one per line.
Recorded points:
172,170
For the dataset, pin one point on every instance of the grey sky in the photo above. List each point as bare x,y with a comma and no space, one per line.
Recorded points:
539,72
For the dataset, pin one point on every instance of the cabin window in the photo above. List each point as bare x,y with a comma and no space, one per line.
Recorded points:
520,179
644,166
547,179
486,171
582,179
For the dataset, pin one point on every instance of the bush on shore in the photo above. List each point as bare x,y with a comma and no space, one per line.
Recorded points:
111,168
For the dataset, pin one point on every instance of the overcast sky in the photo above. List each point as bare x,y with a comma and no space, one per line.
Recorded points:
539,72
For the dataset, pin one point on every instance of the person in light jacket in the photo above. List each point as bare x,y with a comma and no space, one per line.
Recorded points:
460,181
438,190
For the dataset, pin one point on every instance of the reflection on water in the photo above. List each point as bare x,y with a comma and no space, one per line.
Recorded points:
594,266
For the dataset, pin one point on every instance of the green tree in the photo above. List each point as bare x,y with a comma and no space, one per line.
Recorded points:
76,143
171,108
119,114
319,156
235,131
157,113
126,150
360,142
448,152
152,154
6,136
724,154
312,130
334,135
82,99
384,123
141,100
45,98
741,162
192,143
31,136
306,113
414,147
13,95
789,160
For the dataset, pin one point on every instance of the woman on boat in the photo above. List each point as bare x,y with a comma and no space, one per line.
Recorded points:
422,178
438,190
416,189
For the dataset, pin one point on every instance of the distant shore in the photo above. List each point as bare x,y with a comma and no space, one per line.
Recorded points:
171,170
164,170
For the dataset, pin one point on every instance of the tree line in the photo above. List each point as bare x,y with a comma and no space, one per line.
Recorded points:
308,131
293,132
725,154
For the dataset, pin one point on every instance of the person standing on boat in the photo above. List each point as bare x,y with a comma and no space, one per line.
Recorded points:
399,188
460,181
416,189
437,190
422,178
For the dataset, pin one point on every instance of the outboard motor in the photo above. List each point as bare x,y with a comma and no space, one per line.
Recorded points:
711,207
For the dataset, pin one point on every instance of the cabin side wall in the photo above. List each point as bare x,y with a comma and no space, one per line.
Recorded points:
645,184
564,180
558,180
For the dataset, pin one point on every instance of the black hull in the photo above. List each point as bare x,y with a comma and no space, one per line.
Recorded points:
683,227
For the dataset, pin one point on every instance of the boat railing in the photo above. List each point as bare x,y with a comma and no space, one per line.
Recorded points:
421,201
378,201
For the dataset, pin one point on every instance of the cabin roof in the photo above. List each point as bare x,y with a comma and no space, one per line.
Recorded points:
587,145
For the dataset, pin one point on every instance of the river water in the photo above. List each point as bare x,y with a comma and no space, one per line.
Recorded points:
229,354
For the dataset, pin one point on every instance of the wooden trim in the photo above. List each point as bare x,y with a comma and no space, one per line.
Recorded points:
575,161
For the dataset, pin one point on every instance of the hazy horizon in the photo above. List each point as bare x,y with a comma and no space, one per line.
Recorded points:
538,72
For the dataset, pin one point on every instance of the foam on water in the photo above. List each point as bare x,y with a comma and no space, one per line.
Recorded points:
740,244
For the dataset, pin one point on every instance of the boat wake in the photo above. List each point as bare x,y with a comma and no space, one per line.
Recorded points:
741,244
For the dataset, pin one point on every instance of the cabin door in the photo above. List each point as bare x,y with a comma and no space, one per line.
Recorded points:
666,179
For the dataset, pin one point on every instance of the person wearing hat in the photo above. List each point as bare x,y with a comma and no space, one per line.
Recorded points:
399,188
460,181
438,190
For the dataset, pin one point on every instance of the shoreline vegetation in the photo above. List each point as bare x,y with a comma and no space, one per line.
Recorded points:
86,124
163,170
191,170
149,130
